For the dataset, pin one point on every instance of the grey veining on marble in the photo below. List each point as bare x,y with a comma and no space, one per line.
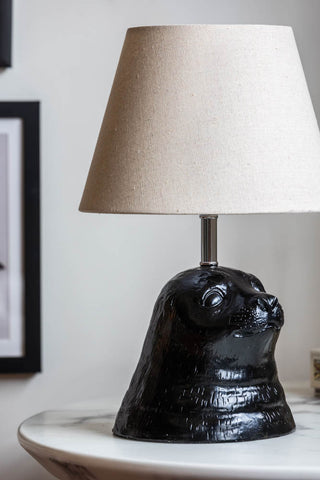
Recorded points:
78,443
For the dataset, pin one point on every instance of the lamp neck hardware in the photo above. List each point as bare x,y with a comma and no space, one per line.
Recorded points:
209,240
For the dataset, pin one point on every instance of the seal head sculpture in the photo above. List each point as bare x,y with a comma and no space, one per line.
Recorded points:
207,371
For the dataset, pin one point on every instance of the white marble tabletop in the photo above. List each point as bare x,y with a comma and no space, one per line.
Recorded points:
78,443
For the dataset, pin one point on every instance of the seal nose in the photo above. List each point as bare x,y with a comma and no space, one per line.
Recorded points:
271,309
273,302
267,302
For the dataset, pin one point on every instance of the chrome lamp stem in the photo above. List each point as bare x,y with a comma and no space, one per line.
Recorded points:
209,240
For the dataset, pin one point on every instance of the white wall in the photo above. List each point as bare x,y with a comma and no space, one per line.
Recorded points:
101,274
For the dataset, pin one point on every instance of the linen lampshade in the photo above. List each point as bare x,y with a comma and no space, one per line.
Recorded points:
207,119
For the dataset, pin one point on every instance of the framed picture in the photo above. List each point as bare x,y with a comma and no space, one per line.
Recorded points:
19,238
5,33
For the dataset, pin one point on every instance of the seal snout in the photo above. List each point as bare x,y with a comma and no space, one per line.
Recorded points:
270,309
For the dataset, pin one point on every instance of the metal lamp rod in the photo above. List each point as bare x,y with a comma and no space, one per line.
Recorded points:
209,240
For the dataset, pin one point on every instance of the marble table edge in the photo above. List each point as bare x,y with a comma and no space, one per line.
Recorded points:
175,470
43,454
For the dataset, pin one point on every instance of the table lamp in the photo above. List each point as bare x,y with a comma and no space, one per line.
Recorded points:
207,120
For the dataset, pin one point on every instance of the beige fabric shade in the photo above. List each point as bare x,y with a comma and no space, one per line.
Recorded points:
207,119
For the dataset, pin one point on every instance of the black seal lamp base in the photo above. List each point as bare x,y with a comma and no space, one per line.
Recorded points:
207,371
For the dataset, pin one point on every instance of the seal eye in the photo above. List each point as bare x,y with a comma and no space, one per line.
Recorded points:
212,298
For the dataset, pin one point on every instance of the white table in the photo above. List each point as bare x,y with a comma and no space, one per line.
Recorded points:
78,443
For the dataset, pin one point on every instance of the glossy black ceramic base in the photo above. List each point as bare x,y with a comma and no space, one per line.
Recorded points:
207,371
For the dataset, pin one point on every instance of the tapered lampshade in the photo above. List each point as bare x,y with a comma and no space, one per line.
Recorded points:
207,119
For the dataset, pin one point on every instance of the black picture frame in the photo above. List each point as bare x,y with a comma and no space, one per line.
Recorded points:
29,112
5,33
